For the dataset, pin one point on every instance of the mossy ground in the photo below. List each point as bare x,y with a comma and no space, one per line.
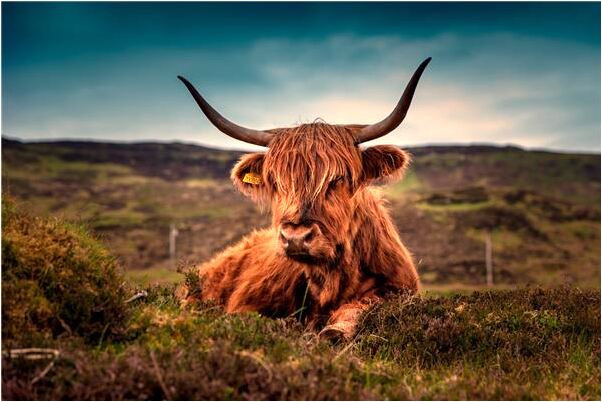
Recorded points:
528,343
56,279
520,344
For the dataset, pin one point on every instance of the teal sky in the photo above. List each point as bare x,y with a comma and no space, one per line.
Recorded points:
507,73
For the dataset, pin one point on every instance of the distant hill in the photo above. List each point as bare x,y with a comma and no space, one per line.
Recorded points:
448,167
169,161
542,208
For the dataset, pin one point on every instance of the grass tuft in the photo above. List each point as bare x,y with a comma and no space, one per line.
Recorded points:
56,279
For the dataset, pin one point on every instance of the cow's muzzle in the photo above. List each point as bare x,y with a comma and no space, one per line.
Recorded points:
297,240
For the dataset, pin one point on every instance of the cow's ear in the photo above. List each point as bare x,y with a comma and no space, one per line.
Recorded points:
384,163
247,176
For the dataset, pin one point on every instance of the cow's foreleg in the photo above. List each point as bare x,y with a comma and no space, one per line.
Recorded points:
343,321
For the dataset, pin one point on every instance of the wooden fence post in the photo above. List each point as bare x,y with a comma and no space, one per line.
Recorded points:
489,259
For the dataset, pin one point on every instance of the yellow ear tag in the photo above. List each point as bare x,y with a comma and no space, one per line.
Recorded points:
252,178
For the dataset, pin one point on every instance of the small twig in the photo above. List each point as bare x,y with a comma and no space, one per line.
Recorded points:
102,335
204,310
379,337
139,295
35,354
65,326
345,349
43,373
408,388
32,353
299,310
159,376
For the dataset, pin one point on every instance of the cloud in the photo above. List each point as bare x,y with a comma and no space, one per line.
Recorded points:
496,88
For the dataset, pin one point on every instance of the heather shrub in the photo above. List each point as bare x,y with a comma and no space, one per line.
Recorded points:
56,279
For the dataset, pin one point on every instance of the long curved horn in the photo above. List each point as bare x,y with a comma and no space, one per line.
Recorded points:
391,122
224,125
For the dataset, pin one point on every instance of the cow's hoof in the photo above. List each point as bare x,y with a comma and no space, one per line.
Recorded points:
333,333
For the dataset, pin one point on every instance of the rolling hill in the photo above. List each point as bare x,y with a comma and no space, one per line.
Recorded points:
541,208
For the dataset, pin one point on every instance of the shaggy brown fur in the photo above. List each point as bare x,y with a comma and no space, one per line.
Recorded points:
315,177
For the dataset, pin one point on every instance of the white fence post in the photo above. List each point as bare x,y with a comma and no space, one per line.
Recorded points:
173,233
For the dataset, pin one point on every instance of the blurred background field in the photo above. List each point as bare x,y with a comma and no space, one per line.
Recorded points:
542,209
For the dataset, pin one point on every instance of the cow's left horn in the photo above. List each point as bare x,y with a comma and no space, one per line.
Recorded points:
224,125
391,122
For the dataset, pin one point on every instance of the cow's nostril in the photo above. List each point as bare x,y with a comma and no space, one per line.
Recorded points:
284,240
309,236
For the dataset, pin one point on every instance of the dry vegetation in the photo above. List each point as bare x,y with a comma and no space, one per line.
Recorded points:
62,290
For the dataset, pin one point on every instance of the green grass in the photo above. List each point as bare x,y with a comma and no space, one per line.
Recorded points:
410,183
456,207
62,290
519,344
152,276
54,167
501,239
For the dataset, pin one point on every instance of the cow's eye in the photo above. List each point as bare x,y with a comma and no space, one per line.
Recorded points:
273,184
333,185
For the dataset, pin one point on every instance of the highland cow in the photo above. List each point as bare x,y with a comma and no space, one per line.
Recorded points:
332,250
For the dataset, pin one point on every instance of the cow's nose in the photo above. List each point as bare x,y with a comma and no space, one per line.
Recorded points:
297,239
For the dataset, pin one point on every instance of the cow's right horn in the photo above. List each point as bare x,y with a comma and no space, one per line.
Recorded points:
224,125
391,122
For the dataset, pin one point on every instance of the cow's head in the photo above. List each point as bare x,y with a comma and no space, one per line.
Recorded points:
310,174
